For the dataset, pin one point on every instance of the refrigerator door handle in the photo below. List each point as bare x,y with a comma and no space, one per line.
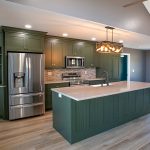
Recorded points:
27,95
29,72
26,105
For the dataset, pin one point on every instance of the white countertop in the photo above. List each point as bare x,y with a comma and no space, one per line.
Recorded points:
88,92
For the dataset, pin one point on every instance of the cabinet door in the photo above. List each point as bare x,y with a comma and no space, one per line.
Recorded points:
123,107
34,43
105,64
96,59
48,54
48,93
84,49
67,51
139,102
57,54
147,100
14,41
48,97
77,46
2,102
88,53
108,111
115,68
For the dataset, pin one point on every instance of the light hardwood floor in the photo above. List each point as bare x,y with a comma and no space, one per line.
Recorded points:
37,133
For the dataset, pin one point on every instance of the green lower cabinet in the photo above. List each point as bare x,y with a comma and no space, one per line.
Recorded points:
147,101
139,102
123,107
48,93
78,120
2,102
108,115
132,104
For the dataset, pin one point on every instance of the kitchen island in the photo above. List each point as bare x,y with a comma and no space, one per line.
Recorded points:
81,112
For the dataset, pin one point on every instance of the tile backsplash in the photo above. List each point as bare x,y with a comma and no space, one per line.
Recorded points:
56,74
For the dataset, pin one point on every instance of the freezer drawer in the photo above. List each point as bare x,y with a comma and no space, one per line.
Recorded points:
21,99
22,111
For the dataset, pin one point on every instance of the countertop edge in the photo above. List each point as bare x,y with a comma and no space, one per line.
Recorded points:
101,95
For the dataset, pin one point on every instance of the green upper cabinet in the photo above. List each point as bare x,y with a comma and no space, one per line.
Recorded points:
88,53
68,48
57,54
77,48
109,63
48,54
116,67
97,59
85,49
23,40
14,41
56,49
34,43
54,52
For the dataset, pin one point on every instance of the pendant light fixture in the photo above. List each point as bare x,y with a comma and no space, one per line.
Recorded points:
109,46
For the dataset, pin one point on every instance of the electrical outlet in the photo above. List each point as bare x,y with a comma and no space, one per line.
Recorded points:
59,95
132,70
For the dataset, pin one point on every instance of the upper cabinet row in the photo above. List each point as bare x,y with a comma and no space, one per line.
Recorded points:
57,48
21,40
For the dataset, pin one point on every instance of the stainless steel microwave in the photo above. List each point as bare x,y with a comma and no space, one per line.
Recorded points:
74,62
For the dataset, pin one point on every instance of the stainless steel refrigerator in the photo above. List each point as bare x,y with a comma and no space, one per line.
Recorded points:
26,85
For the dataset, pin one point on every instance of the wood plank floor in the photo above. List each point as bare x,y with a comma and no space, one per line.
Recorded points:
37,133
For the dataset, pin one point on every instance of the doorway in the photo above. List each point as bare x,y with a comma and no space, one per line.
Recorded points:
125,67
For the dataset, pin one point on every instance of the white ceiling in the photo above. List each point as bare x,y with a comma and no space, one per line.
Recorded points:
17,15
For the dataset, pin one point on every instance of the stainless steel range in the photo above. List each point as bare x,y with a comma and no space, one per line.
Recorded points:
26,85
74,78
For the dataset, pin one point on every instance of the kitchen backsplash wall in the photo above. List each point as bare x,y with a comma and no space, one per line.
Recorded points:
56,74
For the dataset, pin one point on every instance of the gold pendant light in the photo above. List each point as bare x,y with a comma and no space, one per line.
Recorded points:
109,46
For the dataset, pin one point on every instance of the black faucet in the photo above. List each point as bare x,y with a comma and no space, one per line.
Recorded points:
106,76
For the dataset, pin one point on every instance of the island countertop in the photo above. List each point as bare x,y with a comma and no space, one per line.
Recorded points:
88,92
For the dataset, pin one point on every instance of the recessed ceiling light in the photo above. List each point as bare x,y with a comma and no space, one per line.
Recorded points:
120,41
93,39
65,34
28,26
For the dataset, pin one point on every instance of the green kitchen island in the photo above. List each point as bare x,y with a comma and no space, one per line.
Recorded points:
83,111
